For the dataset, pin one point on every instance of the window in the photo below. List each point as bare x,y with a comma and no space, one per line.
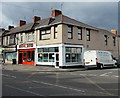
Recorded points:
45,34
30,36
106,41
73,54
6,40
88,35
55,32
47,54
12,39
4,43
114,41
70,35
21,37
79,33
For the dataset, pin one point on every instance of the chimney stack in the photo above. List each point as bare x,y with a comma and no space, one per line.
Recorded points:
114,31
10,27
22,22
56,13
2,29
36,18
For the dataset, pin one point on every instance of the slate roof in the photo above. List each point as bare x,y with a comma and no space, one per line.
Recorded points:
21,29
52,21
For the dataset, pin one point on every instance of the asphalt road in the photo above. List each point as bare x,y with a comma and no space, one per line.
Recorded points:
80,83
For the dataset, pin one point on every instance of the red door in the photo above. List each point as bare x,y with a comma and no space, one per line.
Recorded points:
26,56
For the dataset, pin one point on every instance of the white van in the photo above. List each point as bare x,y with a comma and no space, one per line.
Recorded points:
98,58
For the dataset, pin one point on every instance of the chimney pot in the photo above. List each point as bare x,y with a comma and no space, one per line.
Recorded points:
56,13
36,18
22,22
10,27
114,31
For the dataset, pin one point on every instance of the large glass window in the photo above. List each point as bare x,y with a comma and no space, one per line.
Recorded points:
73,54
47,54
12,39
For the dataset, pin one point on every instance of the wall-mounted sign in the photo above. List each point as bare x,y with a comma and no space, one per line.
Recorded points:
26,45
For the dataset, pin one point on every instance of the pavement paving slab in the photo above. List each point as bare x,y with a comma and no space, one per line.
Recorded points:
18,67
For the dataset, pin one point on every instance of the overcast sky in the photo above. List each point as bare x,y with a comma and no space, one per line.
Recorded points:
99,14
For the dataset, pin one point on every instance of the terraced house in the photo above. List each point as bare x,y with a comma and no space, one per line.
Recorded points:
59,41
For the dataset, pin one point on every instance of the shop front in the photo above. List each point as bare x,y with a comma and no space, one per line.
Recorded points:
60,55
9,55
26,54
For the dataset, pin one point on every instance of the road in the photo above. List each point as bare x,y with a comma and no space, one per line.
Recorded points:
80,83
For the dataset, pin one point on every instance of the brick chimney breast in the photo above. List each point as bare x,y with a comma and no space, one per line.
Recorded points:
114,31
10,27
36,18
22,22
56,13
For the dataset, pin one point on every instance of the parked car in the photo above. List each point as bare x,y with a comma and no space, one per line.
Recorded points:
99,59
118,63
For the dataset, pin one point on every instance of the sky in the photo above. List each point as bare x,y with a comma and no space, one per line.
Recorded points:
99,14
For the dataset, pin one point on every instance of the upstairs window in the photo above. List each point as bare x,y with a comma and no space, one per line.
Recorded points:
30,36
106,39
114,41
55,32
70,32
45,34
12,39
88,34
79,33
6,40
21,37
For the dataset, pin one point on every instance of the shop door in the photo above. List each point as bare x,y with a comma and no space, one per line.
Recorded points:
20,58
57,60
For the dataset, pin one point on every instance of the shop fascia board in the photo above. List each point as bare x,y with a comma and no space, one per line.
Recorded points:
62,45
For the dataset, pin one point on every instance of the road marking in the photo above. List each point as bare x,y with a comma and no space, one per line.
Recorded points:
106,74
24,90
99,87
60,86
10,76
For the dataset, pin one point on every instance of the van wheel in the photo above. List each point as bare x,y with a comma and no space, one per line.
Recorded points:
100,66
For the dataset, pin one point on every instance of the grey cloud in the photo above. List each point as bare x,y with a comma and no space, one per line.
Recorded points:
104,15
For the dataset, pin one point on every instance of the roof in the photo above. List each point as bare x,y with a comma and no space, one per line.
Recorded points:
52,21
20,29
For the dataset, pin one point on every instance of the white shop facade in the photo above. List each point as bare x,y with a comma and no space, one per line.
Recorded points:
59,55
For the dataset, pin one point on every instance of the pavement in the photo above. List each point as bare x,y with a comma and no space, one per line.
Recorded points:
17,67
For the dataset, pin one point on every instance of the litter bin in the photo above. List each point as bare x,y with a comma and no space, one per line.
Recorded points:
14,61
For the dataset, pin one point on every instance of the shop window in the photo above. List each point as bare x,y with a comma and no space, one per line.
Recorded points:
73,54
51,57
45,49
45,57
40,57
40,50
47,54
51,49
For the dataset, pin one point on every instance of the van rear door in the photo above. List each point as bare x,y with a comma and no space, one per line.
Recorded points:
90,57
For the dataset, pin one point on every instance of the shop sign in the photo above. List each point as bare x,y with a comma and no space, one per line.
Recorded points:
25,45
